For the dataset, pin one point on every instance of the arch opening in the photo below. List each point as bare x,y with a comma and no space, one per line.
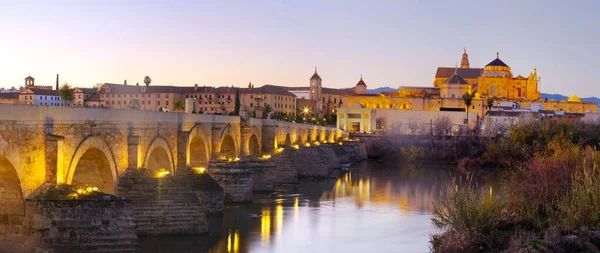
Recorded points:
159,159
288,140
93,169
198,154
253,146
228,147
11,197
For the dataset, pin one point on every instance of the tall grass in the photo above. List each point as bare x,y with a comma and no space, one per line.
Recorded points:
470,215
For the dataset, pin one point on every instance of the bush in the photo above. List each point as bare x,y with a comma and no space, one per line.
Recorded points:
467,209
579,208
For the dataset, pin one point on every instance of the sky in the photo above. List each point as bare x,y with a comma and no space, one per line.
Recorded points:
391,43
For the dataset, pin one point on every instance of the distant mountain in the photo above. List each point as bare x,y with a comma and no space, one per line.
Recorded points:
380,90
559,97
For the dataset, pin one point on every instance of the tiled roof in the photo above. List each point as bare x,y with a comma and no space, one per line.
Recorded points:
361,82
88,90
43,92
315,76
9,95
456,79
497,62
469,73
338,91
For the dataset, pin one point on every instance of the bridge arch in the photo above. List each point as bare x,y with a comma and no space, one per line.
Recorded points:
198,152
93,164
254,146
159,156
11,196
288,140
227,148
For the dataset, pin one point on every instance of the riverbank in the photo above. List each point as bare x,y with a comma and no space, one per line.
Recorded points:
548,200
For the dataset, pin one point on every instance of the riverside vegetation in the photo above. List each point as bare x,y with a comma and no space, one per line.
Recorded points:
550,196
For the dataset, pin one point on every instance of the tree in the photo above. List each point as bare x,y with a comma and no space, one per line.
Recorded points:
147,80
442,126
266,111
468,99
134,104
489,102
236,110
66,94
179,104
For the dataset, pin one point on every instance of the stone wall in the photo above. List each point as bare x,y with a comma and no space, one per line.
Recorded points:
234,177
264,177
168,205
62,220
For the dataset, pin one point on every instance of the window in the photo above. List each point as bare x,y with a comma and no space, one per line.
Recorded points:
149,102
251,105
158,95
251,96
157,102
167,103
119,95
167,95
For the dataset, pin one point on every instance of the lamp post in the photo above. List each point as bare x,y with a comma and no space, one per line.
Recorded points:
306,111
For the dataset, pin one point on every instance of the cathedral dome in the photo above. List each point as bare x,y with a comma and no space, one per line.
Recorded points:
497,68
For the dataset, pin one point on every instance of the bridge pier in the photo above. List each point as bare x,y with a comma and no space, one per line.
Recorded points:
234,177
133,146
52,147
183,138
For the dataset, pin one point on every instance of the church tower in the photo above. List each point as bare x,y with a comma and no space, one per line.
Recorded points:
316,87
464,63
29,82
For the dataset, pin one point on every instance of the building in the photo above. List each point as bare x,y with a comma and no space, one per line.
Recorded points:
494,81
82,95
208,100
9,98
326,100
37,96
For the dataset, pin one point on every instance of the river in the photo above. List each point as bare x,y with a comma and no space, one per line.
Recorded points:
373,207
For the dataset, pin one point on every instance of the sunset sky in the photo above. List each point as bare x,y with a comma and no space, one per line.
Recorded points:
391,43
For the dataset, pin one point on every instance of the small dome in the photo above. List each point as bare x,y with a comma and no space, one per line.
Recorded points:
497,62
574,98
361,82
456,79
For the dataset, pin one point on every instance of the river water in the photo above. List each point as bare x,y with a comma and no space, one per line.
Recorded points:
373,207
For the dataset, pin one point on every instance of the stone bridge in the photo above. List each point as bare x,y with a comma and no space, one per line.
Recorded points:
93,146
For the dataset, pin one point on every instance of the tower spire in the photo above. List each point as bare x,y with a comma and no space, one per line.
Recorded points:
464,63
497,55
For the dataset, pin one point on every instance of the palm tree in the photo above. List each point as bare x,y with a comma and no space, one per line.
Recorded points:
489,102
147,80
468,99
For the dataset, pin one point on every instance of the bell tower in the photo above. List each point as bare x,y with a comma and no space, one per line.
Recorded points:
464,63
316,87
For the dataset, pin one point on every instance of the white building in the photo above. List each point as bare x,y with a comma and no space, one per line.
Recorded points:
33,96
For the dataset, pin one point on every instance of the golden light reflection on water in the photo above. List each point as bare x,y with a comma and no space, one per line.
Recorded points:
279,219
296,208
233,242
408,196
265,226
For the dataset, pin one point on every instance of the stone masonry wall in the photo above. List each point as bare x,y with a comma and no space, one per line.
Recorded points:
234,177
166,205
63,221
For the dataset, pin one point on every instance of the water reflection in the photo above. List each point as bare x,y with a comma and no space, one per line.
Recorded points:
373,208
